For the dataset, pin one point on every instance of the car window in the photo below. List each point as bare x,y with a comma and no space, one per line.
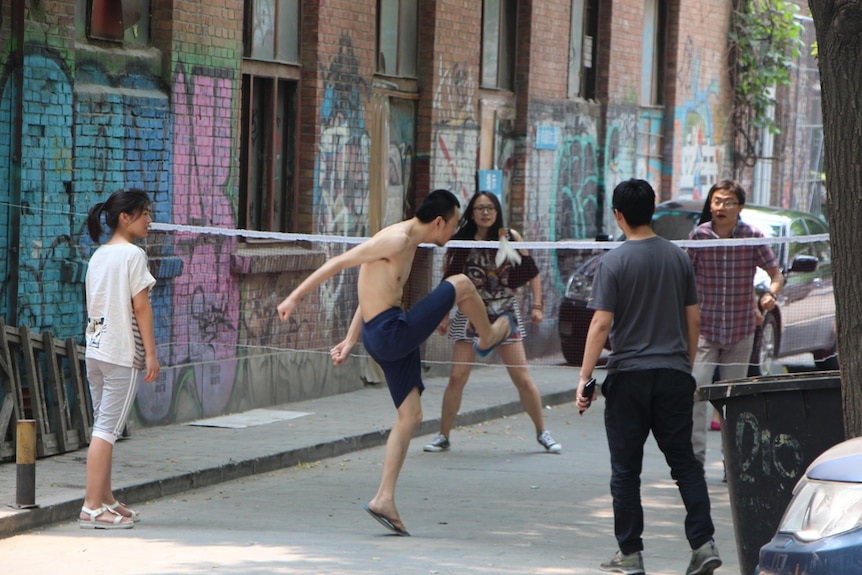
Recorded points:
674,224
771,227
821,250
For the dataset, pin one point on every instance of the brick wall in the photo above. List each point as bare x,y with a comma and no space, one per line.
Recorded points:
336,90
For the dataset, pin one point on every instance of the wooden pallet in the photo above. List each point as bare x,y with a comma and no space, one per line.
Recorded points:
43,379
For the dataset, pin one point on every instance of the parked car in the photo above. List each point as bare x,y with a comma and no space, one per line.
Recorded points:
804,318
821,530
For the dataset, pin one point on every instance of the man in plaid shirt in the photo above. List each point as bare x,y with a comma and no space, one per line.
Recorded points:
725,278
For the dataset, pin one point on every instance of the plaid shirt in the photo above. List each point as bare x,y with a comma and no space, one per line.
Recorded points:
725,282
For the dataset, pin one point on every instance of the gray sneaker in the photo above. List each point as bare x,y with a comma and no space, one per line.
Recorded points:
632,564
704,560
548,442
440,443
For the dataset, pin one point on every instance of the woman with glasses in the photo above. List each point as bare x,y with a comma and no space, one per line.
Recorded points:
482,220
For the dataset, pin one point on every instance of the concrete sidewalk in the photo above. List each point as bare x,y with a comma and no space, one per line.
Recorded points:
161,461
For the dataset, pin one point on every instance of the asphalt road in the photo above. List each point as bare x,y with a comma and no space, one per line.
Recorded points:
495,504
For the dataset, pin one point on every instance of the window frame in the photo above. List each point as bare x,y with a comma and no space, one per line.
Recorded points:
248,44
132,35
653,60
268,199
406,49
506,29
583,32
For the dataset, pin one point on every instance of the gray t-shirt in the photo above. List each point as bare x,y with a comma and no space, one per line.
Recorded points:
646,284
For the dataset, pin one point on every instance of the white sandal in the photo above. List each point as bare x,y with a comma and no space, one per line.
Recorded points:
133,515
118,522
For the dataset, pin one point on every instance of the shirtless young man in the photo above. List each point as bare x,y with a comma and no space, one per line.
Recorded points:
391,335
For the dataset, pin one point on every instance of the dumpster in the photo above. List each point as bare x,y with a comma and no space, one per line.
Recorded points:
773,427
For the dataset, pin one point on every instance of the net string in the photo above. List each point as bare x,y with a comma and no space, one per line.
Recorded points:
525,245
335,243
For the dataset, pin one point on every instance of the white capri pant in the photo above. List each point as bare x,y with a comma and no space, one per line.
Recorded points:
112,388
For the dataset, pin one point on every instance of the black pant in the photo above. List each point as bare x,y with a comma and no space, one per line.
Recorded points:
657,400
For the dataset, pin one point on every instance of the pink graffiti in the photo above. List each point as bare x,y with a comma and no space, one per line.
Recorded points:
202,150
206,295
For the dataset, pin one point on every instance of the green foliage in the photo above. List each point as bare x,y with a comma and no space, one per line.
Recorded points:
765,40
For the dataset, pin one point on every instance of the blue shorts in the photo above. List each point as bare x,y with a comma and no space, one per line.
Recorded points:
393,338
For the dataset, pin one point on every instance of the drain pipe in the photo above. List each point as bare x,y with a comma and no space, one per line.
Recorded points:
14,215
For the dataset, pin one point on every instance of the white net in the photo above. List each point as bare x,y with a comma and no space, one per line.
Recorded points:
223,348
224,286
217,289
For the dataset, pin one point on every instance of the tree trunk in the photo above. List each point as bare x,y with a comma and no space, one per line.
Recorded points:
838,24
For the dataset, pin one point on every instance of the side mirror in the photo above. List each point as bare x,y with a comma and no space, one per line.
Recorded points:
805,264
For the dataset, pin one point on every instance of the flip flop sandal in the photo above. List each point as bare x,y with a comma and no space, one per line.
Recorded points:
513,326
384,521
91,523
133,515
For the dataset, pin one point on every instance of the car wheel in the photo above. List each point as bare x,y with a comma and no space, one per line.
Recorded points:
573,349
765,346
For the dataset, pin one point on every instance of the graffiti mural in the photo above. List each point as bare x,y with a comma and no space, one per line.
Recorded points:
456,140
205,296
576,176
701,150
341,165
401,163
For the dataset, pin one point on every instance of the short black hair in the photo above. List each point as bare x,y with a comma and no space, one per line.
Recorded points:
635,200
722,185
441,203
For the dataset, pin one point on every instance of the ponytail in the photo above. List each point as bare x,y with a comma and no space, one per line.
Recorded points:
132,201
94,221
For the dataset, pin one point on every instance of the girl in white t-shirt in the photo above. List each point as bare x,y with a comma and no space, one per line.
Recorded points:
121,344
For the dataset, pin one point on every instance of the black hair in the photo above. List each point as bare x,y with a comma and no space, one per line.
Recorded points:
131,201
442,203
635,200
467,226
723,185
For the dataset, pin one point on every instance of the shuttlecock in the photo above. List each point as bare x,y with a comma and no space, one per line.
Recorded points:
506,253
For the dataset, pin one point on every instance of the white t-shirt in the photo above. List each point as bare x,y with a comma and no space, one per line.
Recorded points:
116,274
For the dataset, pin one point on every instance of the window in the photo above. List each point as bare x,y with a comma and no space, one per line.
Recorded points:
652,56
270,84
396,38
271,30
582,49
124,21
498,43
267,158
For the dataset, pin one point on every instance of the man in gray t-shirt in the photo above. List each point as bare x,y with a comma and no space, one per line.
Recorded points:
645,299
643,283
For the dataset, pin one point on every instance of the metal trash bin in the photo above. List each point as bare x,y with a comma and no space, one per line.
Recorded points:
773,427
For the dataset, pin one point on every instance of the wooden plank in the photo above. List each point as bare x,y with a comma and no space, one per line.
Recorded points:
5,364
59,408
12,381
47,444
7,447
11,393
83,413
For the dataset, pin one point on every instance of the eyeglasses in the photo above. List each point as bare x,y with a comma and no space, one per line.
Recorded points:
484,209
718,203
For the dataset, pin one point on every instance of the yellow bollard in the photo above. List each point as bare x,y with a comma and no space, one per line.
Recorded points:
25,458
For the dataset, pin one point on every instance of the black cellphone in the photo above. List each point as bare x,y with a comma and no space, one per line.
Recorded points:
589,389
